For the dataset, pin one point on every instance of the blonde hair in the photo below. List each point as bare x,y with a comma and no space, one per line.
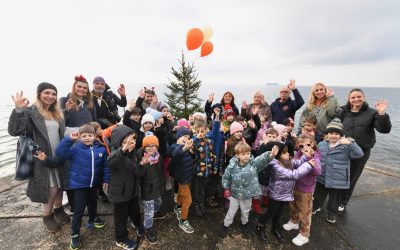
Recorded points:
53,112
88,96
312,100
258,92
242,147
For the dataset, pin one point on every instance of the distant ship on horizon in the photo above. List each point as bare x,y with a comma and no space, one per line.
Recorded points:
271,83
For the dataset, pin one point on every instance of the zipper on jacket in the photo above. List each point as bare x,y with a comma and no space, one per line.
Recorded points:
91,180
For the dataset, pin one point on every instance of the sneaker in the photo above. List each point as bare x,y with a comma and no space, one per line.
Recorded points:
245,230
260,230
316,210
185,226
300,240
138,229
177,211
212,202
331,218
97,223
278,234
290,226
225,231
150,236
341,208
159,215
75,242
127,244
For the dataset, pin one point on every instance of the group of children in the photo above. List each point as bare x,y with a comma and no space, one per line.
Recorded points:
133,162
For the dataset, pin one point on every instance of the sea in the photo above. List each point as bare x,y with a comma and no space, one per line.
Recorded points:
384,155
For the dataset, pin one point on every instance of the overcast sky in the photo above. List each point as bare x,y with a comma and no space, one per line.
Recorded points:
136,42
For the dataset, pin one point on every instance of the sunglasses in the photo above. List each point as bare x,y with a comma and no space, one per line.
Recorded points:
304,145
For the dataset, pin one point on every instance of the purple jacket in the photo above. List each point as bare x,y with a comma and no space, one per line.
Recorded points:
283,179
306,184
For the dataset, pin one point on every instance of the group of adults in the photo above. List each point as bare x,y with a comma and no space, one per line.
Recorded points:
45,122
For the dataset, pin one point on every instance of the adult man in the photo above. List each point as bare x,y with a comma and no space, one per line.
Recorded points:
284,107
107,102
148,98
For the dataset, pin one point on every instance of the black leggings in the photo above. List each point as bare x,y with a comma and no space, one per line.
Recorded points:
274,212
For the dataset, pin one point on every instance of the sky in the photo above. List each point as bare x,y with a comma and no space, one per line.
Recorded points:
337,42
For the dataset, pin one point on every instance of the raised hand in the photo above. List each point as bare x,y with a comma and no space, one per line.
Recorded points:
274,151
329,92
309,152
345,140
19,100
131,105
40,155
74,135
70,104
211,97
381,106
252,124
121,90
245,105
130,143
188,144
145,160
292,84
141,93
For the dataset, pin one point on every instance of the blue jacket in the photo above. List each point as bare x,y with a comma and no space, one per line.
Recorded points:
218,138
76,118
88,163
287,109
335,164
181,166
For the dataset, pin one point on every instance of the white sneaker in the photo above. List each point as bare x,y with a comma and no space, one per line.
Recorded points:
300,240
341,208
290,226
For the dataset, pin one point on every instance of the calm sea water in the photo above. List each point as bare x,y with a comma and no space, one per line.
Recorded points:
385,152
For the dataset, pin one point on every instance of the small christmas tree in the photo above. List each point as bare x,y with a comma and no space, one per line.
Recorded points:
183,98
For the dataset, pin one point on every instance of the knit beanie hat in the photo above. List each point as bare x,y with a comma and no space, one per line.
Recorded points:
335,126
150,139
228,111
156,114
80,78
235,127
99,79
280,145
203,116
183,123
147,118
278,127
182,131
45,85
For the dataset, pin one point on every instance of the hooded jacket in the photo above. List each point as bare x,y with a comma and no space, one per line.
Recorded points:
281,110
77,118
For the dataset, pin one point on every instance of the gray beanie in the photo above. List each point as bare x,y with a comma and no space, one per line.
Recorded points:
335,126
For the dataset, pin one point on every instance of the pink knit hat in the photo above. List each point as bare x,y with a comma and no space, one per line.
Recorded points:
235,127
278,127
183,122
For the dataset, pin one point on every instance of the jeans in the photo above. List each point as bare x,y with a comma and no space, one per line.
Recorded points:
83,197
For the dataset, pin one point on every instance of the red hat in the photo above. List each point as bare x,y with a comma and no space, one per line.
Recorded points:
228,111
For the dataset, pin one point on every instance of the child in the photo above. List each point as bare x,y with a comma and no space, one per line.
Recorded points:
236,131
284,137
152,183
240,183
204,165
228,118
250,128
124,185
301,208
181,168
132,118
88,163
336,153
280,190
147,123
310,128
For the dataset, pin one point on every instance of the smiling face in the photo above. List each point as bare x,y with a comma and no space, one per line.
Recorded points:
99,87
81,89
319,91
356,99
333,137
227,98
148,98
244,157
257,98
151,149
48,97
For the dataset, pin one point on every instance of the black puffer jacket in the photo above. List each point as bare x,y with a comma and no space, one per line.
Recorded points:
182,164
124,184
361,125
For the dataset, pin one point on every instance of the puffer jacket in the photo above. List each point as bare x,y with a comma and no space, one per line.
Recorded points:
335,163
76,118
181,166
124,184
283,179
361,125
242,181
88,163
306,184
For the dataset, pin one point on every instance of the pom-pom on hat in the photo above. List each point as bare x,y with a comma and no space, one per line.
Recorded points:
182,131
156,114
99,79
278,127
183,123
80,78
228,111
147,118
150,139
45,85
335,126
235,127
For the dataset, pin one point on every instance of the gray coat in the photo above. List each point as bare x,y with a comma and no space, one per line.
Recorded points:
30,122
335,164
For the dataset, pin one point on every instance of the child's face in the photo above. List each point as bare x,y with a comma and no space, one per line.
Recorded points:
135,117
151,149
201,133
147,126
238,135
269,137
284,133
87,138
98,132
305,145
244,157
183,139
230,118
309,127
284,156
165,112
244,124
289,127
333,137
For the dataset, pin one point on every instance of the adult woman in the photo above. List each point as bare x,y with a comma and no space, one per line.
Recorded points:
78,105
360,122
227,99
259,106
322,104
43,122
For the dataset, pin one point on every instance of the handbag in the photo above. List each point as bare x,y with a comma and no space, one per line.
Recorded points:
25,160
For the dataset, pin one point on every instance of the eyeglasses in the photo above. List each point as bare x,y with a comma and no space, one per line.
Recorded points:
304,145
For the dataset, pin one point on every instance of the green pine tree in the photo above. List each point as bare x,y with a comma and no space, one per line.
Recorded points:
183,98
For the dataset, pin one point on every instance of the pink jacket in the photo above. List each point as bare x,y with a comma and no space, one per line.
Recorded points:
306,184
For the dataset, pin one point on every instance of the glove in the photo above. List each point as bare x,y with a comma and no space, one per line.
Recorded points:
227,193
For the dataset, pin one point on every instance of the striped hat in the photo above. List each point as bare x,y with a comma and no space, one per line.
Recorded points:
335,126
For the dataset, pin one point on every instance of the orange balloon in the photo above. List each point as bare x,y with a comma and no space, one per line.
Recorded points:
206,48
194,38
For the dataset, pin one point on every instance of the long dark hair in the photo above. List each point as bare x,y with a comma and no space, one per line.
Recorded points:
351,91
232,102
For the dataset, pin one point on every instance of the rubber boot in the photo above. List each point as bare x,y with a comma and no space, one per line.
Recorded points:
61,216
50,223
